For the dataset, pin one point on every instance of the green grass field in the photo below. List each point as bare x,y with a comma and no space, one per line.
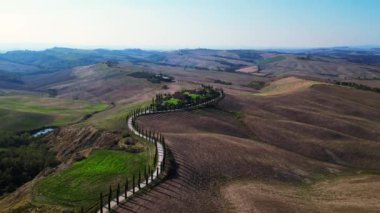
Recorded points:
173,101
114,119
25,112
81,184
270,60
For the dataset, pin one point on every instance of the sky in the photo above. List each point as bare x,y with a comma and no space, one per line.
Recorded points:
172,24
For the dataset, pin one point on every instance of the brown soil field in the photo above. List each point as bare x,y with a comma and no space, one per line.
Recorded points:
327,68
251,69
345,194
297,138
290,134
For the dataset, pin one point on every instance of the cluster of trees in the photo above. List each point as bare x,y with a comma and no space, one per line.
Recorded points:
111,63
357,86
185,98
306,57
22,157
217,81
153,77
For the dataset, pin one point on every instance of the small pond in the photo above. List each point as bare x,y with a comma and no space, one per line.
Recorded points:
43,132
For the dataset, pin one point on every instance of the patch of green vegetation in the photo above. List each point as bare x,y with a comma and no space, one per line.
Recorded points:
22,157
184,98
357,86
16,121
152,77
114,119
256,85
270,60
222,82
238,115
172,101
81,184
194,96
25,112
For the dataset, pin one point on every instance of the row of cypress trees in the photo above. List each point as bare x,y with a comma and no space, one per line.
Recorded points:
151,136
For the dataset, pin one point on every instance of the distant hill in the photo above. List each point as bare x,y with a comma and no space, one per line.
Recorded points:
208,59
56,59
338,62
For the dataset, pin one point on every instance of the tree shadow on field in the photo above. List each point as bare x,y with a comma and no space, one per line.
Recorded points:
182,173
133,205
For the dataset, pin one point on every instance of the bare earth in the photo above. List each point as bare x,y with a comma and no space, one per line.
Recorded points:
290,140
347,194
251,69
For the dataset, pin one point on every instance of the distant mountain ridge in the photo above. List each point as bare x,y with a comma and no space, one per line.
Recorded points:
23,62
58,58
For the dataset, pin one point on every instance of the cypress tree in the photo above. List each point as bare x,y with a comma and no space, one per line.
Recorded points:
155,156
163,160
146,176
126,188
109,199
133,184
149,174
101,202
117,193
139,180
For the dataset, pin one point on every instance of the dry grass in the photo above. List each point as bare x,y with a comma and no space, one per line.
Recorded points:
286,86
251,69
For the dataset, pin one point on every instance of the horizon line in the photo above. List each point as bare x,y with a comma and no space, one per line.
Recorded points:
42,47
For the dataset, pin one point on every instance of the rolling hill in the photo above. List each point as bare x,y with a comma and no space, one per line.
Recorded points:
283,147
284,132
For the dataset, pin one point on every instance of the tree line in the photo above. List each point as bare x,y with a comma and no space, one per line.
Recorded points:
357,86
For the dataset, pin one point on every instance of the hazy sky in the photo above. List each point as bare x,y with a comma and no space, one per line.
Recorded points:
188,23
